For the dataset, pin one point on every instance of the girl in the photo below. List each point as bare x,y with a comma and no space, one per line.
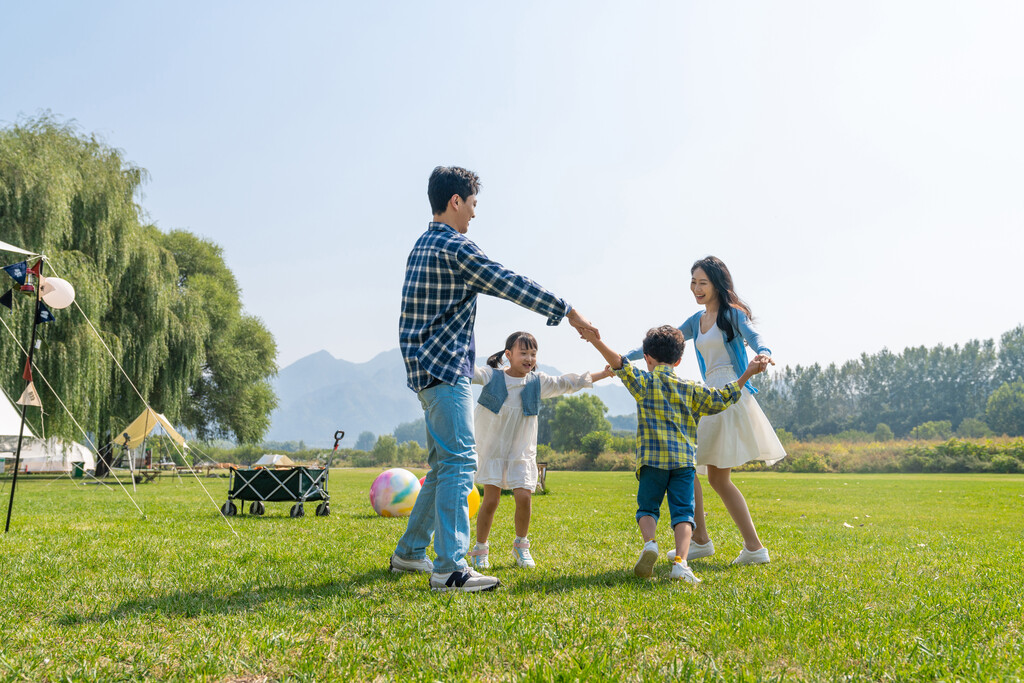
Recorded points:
741,433
506,436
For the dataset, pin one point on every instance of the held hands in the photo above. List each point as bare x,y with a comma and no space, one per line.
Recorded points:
759,364
764,357
590,334
582,324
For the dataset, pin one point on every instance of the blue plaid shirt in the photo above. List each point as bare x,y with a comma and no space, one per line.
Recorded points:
443,275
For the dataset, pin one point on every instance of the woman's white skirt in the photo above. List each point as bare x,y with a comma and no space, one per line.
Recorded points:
737,435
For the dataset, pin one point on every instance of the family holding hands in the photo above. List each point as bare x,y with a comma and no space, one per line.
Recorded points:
682,426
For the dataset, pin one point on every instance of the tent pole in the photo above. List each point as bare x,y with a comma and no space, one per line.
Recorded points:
24,409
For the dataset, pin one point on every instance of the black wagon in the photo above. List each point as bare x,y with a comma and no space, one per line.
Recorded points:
297,485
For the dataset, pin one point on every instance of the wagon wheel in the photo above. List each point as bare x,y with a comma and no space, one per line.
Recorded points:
323,509
256,508
229,509
297,511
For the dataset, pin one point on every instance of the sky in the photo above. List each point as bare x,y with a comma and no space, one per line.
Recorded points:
858,166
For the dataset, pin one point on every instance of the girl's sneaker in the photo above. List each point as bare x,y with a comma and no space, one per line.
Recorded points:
478,556
521,553
681,570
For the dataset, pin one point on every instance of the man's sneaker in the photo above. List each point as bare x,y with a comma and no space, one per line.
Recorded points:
752,556
478,556
648,556
699,550
521,553
465,580
680,570
400,564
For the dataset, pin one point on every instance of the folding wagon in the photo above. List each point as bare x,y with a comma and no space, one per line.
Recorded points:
297,484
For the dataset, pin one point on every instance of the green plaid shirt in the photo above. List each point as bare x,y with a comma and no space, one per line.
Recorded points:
668,409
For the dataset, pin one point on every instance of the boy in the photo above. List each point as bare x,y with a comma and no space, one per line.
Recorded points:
668,409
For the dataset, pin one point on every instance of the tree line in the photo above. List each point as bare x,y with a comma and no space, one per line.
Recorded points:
979,384
165,304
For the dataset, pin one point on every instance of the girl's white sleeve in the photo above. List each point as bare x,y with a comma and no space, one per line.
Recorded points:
482,374
566,384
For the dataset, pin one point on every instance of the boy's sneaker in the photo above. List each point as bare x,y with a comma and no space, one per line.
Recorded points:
400,564
521,553
759,556
648,556
699,550
478,556
465,580
681,570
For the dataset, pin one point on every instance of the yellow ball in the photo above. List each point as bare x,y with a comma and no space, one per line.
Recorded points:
474,502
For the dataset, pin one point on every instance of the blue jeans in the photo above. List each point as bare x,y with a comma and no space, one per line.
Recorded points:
442,507
655,483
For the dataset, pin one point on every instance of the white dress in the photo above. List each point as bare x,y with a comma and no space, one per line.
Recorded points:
741,432
506,442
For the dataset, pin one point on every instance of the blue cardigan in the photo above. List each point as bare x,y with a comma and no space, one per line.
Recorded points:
737,354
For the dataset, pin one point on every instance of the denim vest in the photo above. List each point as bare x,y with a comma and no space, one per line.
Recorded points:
495,392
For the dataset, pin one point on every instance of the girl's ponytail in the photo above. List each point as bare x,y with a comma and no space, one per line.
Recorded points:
495,360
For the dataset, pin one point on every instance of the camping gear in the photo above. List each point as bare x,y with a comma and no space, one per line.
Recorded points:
274,484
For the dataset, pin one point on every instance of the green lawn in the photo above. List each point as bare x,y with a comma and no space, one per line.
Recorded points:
873,576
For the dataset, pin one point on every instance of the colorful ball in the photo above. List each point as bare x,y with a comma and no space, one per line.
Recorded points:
393,492
473,499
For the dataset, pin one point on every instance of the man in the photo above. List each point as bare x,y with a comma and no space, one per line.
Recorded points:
443,276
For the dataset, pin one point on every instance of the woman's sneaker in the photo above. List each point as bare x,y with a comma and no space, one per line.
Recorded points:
521,553
681,570
699,550
400,564
759,556
478,556
648,556
465,580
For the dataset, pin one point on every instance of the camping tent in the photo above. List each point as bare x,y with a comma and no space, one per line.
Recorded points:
37,455
274,460
146,422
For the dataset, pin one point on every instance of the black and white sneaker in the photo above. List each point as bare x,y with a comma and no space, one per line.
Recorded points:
465,580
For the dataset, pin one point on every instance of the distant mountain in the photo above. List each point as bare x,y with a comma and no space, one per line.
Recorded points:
320,393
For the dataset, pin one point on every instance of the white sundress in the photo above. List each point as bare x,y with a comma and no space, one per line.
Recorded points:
739,434
506,441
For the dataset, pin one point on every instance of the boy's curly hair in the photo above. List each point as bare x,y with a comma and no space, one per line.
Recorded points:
664,344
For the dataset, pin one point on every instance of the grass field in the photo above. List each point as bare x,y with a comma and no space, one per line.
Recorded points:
873,577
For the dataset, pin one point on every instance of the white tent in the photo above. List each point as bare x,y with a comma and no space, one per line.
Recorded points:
37,455
274,460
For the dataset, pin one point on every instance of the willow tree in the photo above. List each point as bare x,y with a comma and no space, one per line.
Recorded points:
73,198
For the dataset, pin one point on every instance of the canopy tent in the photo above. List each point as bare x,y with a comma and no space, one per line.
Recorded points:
146,422
37,455
274,460
4,246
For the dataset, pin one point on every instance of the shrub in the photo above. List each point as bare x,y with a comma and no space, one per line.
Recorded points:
883,432
1005,410
1006,463
595,443
784,436
932,431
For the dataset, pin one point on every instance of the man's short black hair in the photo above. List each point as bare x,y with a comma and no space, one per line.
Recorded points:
664,344
446,181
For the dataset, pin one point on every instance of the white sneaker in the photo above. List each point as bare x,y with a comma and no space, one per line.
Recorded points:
521,553
681,570
465,580
752,556
699,550
400,564
478,556
648,556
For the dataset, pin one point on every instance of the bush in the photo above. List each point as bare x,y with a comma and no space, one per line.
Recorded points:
883,432
784,436
1005,410
544,452
933,431
973,428
595,443
1006,463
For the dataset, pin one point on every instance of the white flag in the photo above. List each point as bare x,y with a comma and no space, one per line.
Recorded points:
30,397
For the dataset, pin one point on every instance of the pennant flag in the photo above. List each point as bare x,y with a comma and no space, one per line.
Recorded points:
30,397
43,315
7,299
18,271
26,374
36,268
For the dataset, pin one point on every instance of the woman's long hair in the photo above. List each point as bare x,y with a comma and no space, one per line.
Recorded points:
721,280
525,339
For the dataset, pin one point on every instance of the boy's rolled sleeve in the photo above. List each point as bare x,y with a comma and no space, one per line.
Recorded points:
710,401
